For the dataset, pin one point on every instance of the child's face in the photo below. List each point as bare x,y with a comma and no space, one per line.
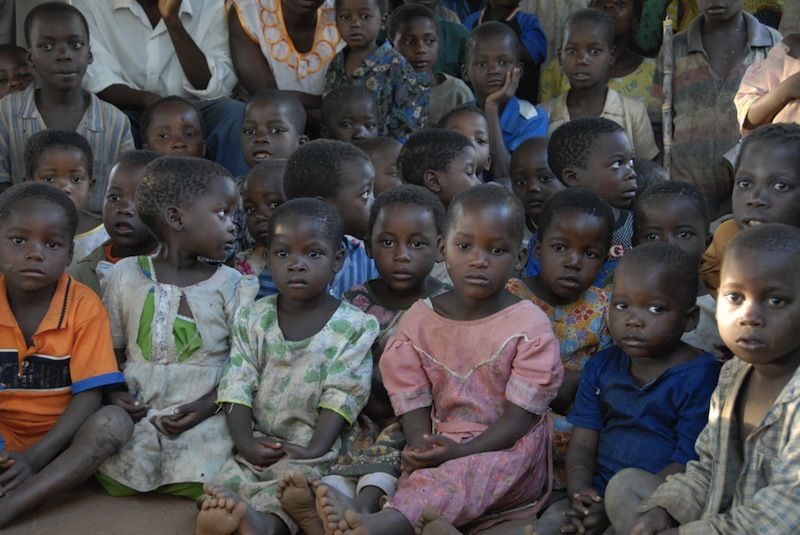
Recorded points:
609,170
59,50
119,209
268,132
758,308
474,126
458,176
175,130
301,259
261,196
766,188
67,169
720,10
207,224
488,62
35,247
358,120
354,199
359,22
418,41
646,317
675,221
586,55
384,160
405,245
571,253
532,180
15,73
623,11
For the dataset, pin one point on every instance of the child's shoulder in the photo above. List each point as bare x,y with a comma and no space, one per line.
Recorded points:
354,316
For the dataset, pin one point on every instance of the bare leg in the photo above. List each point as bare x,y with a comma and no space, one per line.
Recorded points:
349,522
99,437
222,507
369,500
298,500
431,523
624,492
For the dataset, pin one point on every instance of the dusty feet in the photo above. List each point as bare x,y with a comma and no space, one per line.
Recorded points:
299,502
430,523
221,513
331,506
352,523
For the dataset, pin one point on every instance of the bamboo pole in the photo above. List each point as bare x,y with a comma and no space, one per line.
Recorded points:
668,59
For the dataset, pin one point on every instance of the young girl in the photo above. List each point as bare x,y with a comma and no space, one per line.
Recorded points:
471,372
299,373
170,321
470,121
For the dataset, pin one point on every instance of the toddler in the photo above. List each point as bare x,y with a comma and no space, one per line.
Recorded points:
349,113
173,126
273,127
383,152
470,121
15,73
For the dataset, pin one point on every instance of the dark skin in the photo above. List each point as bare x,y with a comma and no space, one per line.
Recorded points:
724,42
767,106
627,23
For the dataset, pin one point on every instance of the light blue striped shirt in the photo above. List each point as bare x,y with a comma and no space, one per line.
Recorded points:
357,268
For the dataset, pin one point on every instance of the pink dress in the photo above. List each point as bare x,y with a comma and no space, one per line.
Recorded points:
466,371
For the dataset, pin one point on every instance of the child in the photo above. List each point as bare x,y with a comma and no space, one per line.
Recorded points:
172,126
262,193
493,67
171,315
470,121
648,172
735,486
63,158
383,152
710,58
56,361
766,190
470,372
401,94
586,57
128,236
342,175
675,213
274,126
413,30
642,402
452,38
349,113
15,73
58,101
299,373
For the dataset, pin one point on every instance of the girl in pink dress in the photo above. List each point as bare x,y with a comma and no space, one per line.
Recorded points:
471,372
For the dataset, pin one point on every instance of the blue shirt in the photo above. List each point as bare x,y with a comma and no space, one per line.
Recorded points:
527,28
459,7
644,427
357,268
521,120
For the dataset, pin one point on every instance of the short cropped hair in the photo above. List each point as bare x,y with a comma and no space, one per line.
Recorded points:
664,192
52,8
382,5
489,30
671,262
266,169
408,12
597,18
173,181
55,138
408,194
150,111
14,50
11,198
769,239
138,158
577,200
371,145
648,172
774,134
430,150
297,113
571,142
466,108
487,195
315,168
342,96
324,214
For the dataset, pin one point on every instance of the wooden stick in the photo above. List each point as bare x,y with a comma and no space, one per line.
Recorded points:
668,59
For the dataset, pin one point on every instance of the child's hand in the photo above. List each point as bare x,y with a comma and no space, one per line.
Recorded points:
135,408
261,451
187,416
293,451
14,470
656,520
509,89
586,514
439,449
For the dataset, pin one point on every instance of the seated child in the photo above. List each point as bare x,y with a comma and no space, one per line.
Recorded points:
349,113
383,152
413,30
401,94
342,175
128,235
63,158
273,127
745,480
58,101
171,315
299,374
766,189
57,357
493,67
173,126
533,182
470,121
642,402
262,193
15,73
574,234
587,56
471,373
452,37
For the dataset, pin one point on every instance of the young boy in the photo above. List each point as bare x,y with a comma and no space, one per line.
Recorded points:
452,37
413,30
342,175
58,39
58,357
128,236
401,94
274,126
745,480
15,73
493,67
710,58
349,113
586,56
383,151
172,126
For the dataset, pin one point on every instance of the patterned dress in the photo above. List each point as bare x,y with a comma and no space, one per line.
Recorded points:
286,384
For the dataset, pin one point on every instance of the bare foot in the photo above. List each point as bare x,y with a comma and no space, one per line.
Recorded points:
431,523
352,523
528,530
298,500
220,514
331,506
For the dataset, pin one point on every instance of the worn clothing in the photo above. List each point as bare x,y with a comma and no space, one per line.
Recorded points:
711,264
357,267
88,241
254,262
636,85
521,120
447,96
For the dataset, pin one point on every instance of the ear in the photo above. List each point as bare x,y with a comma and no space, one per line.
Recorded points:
71,252
692,318
174,217
338,261
464,72
439,248
522,259
368,246
303,139
570,177
204,150
537,250
29,59
91,57
613,52
430,179
323,131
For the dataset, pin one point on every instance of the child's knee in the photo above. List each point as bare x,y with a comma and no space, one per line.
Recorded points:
108,429
624,490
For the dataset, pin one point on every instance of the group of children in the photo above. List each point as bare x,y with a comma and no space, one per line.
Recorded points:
504,322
